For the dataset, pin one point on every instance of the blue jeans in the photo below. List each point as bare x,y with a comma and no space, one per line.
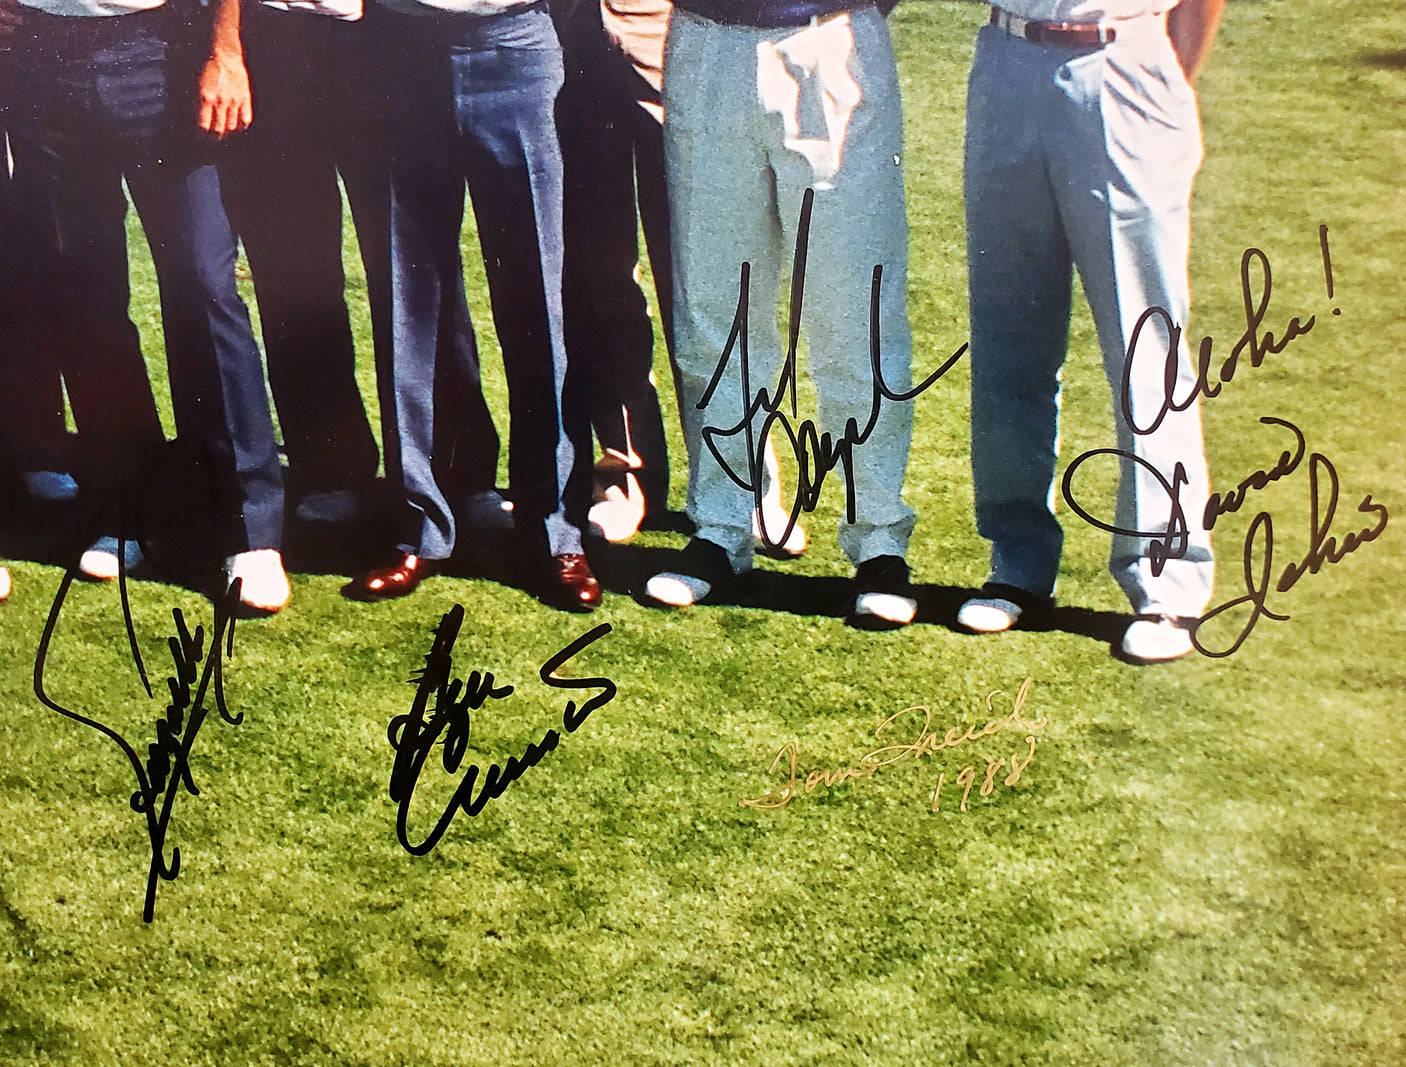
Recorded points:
100,100
475,99
1080,157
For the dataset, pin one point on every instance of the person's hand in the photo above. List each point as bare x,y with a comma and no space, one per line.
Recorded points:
226,105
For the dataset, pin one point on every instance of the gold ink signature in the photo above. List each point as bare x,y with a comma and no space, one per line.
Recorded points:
927,743
967,776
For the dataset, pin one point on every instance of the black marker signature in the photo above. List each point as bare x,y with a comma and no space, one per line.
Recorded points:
1257,343
1322,549
166,769
1170,543
1253,342
449,702
1218,504
816,454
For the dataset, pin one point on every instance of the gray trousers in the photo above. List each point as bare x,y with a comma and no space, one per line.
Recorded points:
754,118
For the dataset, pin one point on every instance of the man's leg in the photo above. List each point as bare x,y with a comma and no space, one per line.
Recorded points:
31,394
723,213
216,372
1020,281
427,204
640,33
280,184
68,166
858,223
608,330
504,98
1127,199
652,193
217,382
354,112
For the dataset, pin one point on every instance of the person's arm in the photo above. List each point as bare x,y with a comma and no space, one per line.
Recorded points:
226,105
1192,26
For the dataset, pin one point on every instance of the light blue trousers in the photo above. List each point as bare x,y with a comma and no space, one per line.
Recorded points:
1082,157
754,118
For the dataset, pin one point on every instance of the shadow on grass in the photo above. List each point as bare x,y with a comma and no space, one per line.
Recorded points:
47,534
624,569
1384,60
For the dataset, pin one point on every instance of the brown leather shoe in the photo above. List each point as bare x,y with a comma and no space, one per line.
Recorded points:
399,577
570,584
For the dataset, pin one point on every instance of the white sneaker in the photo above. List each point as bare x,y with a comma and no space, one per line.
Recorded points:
772,518
893,610
617,515
883,593
100,563
1156,640
4,584
263,582
488,511
703,567
677,590
988,615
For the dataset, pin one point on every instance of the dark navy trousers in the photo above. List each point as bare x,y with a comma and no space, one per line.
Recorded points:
613,150
475,98
103,100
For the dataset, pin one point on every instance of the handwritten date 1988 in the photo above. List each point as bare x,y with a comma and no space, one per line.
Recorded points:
448,703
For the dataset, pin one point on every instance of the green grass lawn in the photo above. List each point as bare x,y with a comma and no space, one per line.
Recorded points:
1201,864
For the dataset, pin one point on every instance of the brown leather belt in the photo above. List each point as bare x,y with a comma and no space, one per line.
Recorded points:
1071,34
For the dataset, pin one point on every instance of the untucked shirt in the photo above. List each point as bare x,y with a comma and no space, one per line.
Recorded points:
91,8
347,10
638,28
